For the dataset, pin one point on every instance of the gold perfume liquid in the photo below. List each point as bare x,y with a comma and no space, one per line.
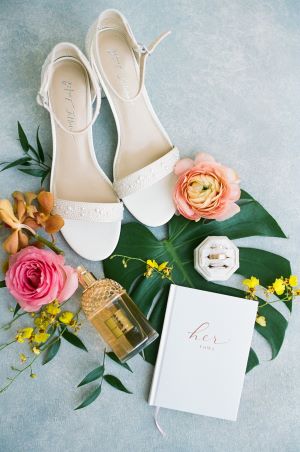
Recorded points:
115,316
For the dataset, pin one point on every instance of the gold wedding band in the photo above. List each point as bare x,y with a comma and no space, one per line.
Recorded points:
217,256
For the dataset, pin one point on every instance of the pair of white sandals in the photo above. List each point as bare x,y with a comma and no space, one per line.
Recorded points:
145,157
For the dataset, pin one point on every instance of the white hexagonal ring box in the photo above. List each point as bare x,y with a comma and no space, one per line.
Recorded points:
216,258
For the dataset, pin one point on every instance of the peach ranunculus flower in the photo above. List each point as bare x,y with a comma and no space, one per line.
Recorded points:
37,277
206,189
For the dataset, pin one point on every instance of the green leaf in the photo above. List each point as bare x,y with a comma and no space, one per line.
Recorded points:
21,161
116,359
26,164
35,153
92,376
157,320
116,383
74,340
2,284
90,399
52,350
274,331
51,330
252,360
36,172
39,146
17,309
151,294
252,220
45,175
23,138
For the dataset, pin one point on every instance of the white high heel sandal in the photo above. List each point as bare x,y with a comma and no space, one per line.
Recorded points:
84,196
145,156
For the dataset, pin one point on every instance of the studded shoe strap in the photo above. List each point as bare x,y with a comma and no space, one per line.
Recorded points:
147,176
89,211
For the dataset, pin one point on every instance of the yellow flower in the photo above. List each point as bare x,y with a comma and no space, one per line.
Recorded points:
297,292
41,323
23,358
152,263
251,283
148,272
36,350
40,337
33,375
279,286
261,320
162,266
75,325
53,308
66,317
293,281
167,271
25,333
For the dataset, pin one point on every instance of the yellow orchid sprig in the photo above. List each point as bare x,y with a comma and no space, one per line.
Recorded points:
38,336
282,287
49,316
163,269
23,358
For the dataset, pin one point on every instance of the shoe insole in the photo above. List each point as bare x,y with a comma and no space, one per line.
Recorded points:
76,175
142,139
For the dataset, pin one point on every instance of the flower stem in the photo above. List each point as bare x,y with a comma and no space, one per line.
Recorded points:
103,361
9,324
3,346
42,239
48,244
20,371
128,258
274,301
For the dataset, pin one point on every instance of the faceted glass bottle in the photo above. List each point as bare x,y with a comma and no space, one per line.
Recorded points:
118,320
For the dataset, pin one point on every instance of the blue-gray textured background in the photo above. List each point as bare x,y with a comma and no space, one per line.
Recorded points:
227,81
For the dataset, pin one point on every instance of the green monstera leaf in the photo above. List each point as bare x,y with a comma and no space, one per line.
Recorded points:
151,294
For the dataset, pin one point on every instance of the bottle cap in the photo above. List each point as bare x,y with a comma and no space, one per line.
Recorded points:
86,279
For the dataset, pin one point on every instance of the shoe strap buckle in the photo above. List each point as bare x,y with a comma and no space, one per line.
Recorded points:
142,48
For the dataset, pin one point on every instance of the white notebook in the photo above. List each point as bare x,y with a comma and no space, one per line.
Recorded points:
203,353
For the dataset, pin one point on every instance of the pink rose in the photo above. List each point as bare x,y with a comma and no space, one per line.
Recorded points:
206,189
36,277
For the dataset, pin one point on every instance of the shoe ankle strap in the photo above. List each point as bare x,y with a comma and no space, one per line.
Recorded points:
144,52
67,51
141,51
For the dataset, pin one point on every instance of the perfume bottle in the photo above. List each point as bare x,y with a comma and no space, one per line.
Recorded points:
118,320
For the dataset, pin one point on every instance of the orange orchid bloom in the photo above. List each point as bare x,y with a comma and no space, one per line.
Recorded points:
24,215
